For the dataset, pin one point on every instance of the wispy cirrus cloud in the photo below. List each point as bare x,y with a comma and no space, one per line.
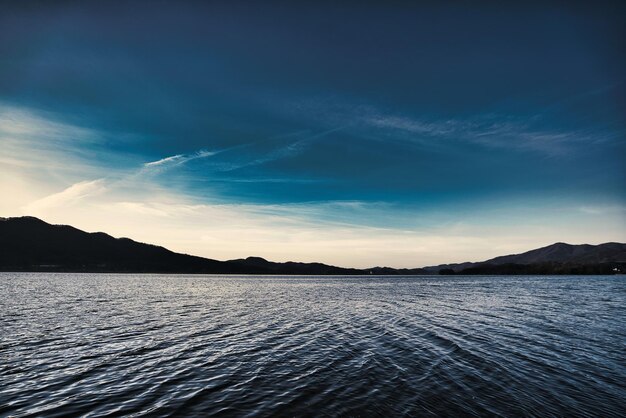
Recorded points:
179,159
165,161
493,131
22,123
291,149
67,197
35,140
603,209
528,133
46,160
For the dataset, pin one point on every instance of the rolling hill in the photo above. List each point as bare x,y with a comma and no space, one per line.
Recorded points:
30,244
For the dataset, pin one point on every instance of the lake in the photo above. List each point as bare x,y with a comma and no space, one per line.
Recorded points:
159,345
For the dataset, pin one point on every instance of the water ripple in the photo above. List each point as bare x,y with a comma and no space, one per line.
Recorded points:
150,345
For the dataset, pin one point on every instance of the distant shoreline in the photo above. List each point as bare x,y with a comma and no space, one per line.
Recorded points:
28,244
269,275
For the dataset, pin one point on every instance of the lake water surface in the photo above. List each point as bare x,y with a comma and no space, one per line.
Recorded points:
158,345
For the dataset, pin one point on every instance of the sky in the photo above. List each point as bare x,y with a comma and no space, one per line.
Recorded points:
361,134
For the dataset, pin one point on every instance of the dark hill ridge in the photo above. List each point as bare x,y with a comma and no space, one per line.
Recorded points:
293,267
566,253
323,269
556,258
30,244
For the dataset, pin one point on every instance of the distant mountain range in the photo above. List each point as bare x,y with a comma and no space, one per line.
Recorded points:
30,244
559,258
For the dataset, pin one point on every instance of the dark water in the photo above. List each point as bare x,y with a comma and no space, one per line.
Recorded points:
74,344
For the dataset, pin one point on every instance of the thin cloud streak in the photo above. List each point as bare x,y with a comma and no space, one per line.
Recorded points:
166,160
490,130
68,197
179,159
290,150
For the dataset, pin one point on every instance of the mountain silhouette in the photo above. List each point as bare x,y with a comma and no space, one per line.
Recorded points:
30,244
559,258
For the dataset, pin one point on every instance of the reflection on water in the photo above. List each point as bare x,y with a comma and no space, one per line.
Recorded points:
172,345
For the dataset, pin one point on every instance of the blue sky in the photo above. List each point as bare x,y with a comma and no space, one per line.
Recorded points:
360,134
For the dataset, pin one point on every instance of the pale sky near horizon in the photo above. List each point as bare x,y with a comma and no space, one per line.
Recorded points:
355,135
